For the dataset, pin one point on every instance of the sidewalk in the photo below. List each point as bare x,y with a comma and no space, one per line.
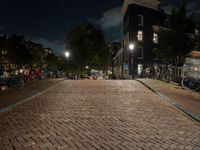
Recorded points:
12,96
185,100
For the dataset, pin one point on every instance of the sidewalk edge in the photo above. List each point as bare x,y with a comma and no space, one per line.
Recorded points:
8,108
172,102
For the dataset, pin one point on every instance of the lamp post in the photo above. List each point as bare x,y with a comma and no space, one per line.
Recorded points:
131,48
67,54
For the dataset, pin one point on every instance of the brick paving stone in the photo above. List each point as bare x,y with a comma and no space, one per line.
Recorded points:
186,98
95,115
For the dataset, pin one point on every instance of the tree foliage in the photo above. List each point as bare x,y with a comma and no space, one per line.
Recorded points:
17,52
87,46
197,41
36,51
177,39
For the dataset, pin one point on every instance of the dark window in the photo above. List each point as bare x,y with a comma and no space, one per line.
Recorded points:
140,20
140,52
155,53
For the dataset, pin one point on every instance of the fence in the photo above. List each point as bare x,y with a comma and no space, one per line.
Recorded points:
177,74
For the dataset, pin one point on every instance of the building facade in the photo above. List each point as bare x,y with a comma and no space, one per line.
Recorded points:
142,20
4,61
113,49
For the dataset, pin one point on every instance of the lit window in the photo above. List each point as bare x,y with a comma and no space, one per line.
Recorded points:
140,68
140,20
155,38
140,52
196,32
140,35
4,52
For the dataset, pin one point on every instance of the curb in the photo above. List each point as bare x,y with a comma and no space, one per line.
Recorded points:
8,108
173,102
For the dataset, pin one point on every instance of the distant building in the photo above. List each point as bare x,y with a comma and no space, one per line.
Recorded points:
113,48
3,52
142,20
8,43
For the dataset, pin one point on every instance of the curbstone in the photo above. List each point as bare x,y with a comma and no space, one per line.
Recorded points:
172,102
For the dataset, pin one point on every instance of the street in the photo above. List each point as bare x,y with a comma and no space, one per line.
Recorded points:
98,114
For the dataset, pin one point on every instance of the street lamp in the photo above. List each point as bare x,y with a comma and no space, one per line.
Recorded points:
67,54
131,48
86,67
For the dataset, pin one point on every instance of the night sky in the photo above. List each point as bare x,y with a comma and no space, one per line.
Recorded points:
48,21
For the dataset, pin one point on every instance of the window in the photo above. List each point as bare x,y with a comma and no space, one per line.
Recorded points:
155,38
4,52
140,68
196,32
140,52
155,53
140,20
140,35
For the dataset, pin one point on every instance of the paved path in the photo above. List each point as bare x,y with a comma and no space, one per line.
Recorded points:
13,96
97,115
186,98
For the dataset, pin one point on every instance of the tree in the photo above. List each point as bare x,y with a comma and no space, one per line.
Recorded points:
87,46
177,39
17,51
197,41
3,48
36,51
51,60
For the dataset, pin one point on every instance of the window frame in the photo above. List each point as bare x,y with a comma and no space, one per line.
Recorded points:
140,20
155,38
157,55
142,36
141,50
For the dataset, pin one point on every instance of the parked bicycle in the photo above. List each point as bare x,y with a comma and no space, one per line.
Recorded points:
190,80
166,73
13,82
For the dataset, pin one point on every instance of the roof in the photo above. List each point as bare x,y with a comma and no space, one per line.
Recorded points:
194,54
152,4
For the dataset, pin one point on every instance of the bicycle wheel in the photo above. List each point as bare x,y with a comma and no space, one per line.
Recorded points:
17,82
190,83
198,88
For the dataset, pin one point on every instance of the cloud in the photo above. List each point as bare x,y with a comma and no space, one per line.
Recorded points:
167,8
192,6
111,24
111,19
57,46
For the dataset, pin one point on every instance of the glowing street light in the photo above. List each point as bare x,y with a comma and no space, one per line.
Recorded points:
131,46
67,54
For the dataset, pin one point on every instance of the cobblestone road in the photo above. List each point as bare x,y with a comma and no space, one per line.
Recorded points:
86,115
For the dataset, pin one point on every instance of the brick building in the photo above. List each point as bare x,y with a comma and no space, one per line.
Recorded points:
142,20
